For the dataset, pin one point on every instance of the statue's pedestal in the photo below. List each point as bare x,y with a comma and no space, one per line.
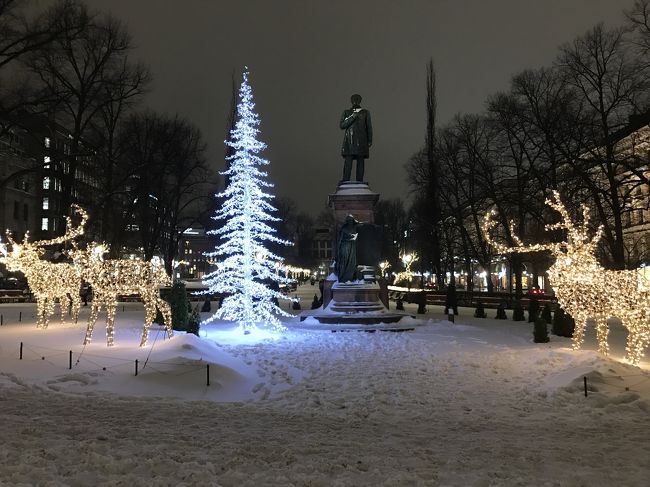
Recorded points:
349,297
353,198
360,302
356,303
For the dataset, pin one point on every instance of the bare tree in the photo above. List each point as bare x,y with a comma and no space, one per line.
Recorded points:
638,21
124,88
391,214
169,184
612,85
78,72
433,182
21,34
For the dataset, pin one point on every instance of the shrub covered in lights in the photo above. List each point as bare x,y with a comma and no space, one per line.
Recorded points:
584,288
246,268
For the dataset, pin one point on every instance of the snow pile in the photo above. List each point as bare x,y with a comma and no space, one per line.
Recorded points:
468,403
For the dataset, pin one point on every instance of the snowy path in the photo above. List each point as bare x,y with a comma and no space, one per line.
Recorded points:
444,405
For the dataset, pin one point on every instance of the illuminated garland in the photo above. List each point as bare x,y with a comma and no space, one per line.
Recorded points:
584,288
114,277
47,281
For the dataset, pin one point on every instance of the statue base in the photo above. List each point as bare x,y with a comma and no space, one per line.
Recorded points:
353,198
355,303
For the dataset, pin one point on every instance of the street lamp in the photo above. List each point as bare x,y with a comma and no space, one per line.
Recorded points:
382,267
407,260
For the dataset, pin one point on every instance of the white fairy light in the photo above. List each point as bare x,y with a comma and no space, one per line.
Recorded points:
47,281
247,265
584,288
111,278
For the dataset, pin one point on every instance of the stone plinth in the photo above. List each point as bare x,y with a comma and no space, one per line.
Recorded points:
353,198
348,297
356,303
360,302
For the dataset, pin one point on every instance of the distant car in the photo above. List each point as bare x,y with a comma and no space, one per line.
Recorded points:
537,292
11,283
289,286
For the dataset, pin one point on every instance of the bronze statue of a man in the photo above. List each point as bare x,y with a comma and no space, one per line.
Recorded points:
357,139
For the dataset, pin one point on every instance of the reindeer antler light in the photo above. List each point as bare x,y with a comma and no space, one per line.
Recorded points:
584,288
71,233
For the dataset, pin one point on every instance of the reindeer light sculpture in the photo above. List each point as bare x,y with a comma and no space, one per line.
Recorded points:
584,288
114,277
47,281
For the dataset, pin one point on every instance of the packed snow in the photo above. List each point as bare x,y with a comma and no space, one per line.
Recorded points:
473,402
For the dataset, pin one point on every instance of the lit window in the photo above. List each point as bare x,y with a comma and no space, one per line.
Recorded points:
47,142
46,183
45,223
46,203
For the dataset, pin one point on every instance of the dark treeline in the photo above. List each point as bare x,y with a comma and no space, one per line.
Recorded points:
148,178
554,128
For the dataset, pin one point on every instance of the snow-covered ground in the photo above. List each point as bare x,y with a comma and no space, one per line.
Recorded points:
474,402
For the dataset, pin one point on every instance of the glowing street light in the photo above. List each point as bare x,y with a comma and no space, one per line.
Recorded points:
383,266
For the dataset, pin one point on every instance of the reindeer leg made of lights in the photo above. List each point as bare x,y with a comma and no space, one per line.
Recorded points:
166,311
634,343
64,306
579,331
111,310
637,339
76,306
150,315
602,330
94,312
40,311
48,311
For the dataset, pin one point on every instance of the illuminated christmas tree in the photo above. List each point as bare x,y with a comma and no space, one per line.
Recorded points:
246,270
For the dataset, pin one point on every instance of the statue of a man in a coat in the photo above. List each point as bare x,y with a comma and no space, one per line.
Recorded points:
357,139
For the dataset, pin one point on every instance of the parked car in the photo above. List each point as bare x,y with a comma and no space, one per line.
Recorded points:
538,293
11,283
289,286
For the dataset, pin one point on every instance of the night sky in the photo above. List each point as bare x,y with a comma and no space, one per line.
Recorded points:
306,58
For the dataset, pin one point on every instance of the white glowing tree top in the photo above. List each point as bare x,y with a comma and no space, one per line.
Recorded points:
246,268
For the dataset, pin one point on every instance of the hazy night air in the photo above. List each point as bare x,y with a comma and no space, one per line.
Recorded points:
307,57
